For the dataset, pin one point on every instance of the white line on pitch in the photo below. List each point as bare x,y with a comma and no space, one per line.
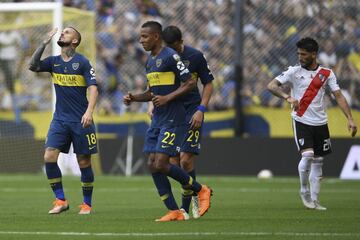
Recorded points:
140,234
248,190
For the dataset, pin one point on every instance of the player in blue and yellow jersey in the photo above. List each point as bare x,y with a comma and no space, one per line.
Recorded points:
72,122
168,79
195,107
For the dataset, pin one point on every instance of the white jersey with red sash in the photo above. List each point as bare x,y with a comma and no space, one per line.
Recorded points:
308,87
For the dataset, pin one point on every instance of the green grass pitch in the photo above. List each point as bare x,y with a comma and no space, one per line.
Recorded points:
125,208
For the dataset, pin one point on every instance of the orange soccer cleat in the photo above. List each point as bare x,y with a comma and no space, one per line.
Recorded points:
172,215
59,206
204,199
84,209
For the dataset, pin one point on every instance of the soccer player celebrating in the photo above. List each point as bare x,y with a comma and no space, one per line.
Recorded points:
195,107
165,71
72,122
308,82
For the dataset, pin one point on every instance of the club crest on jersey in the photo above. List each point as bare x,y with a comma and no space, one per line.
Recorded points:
322,77
301,141
75,66
158,62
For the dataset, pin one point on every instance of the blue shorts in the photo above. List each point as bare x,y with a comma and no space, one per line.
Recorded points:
191,140
61,134
164,139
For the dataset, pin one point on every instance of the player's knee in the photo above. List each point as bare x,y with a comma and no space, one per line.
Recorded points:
175,161
50,156
150,163
84,161
160,166
187,165
318,160
154,167
150,166
84,164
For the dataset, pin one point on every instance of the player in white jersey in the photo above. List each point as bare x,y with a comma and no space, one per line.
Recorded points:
308,82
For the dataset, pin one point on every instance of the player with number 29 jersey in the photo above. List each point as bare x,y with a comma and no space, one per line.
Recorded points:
195,61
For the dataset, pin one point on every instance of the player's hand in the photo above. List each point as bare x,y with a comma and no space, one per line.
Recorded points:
50,36
352,127
86,119
196,120
159,100
293,102
127,99
150,109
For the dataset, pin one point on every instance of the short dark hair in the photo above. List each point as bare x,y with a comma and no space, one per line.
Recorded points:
78,35
155,26
309,44
172,34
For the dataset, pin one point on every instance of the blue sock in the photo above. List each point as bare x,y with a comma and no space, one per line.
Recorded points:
184,178
87,182
164,189
192,174
54,176
187,194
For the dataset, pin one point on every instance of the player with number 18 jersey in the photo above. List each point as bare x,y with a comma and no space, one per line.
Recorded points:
71,80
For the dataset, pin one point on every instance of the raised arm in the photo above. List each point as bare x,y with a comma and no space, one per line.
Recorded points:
340,99
35,58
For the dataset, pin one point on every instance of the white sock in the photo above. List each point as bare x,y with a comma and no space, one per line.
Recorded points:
304,169
315,177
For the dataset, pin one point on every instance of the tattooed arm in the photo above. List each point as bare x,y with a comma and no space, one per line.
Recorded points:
35,58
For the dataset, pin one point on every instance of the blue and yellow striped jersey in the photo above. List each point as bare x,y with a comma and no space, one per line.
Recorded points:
164,73
71,80
195,61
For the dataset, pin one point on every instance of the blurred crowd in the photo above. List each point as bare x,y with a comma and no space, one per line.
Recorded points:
270,33
272,30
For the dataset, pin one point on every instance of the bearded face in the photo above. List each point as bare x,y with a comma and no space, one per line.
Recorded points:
62,42
67,37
